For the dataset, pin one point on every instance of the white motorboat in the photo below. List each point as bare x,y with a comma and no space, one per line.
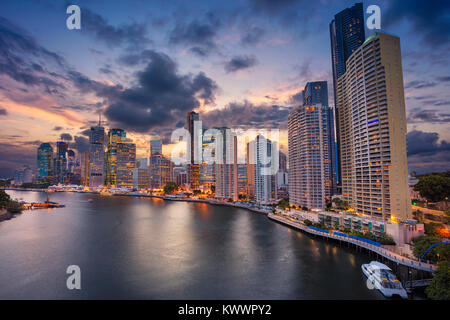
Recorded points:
381,277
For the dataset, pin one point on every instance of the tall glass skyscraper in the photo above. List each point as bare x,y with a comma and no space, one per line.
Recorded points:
155,146
315,93
115,136
60,163
347,34
97,156
44,163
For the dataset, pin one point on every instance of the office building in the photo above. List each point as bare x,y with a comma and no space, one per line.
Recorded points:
126,159
226,166
346,34
371,108
310,137
44,164
96,156
265,170
161,171
115,136
155,146
60,163
195,144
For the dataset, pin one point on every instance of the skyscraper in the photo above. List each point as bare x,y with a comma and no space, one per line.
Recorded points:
161,171
115,136
60,163
371,108
310,136
315,93
126,159
84,172
193,167
226,166
265,178
97,156
44,163
155,146
207,174
346,34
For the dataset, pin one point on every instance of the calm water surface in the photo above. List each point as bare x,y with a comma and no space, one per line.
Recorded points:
143,248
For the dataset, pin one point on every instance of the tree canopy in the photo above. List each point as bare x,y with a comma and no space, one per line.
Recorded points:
434,187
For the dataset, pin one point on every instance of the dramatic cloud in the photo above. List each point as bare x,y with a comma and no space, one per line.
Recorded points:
429,116
81,144
66,137
428,18
133,35
239,63
247,115
197,35
426,153
161,96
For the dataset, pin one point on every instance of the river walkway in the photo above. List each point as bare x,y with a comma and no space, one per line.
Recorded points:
392,256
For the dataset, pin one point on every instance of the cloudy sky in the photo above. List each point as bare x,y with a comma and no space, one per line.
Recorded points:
145,64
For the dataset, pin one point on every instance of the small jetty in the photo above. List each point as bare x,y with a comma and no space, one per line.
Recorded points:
42,205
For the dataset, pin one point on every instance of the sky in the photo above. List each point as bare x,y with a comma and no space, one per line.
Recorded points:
241,63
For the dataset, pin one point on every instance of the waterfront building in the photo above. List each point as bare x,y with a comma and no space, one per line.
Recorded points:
96,156
193,165
60,163
250,161
84,168
226,166
242,179
207,174
126,159
115,136
44,163
315,93
282,177
310,139
23,175
371,108
265,177
346,34
155,146
161,171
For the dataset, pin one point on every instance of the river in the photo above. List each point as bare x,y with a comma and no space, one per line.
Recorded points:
148,248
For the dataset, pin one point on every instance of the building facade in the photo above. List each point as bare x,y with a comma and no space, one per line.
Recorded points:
265,177
346,34
126,159
161,171
96,156
226,166
44,164
371,107
115,136
310,139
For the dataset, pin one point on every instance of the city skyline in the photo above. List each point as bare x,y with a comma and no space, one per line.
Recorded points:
74,74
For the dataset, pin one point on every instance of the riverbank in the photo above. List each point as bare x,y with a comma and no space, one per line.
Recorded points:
383,252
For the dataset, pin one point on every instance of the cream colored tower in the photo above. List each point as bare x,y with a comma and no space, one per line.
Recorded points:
371,107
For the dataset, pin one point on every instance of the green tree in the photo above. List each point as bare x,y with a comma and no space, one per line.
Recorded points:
439,288
438,253
4,199
170,187
434,187
14,207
